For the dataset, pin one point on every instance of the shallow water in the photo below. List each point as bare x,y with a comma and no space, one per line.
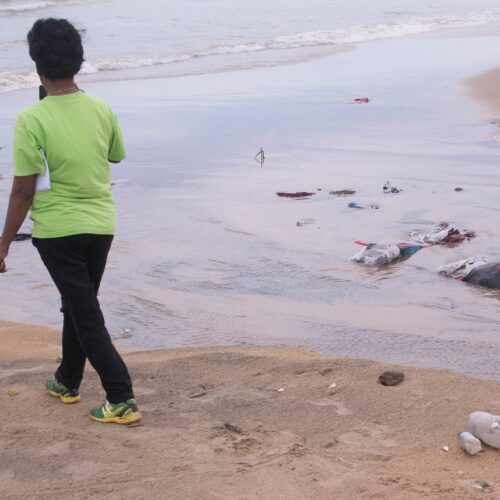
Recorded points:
207,253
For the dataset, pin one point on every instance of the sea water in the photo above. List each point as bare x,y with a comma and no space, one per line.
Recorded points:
172,37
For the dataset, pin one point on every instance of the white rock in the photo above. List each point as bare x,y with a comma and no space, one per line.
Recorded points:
332,386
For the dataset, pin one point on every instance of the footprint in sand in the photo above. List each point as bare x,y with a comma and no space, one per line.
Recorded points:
341,409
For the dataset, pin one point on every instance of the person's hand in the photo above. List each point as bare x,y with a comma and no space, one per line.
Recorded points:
3,256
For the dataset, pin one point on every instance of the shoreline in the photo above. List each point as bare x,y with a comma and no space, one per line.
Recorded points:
359,440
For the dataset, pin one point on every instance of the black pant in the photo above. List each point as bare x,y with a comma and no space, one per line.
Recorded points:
76,265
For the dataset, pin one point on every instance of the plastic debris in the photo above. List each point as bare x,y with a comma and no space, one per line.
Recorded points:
343,192
458,189
469,443
485,486
281,390
373,206
485,427
332,386
305,222
445,449
487,275
443,233
299,195
361,100
461,268
389,189
381,254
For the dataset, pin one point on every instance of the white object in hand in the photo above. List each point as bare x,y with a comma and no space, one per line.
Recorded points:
43,180
469,443
485,427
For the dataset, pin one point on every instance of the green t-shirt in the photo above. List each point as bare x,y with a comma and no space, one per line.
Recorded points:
79,135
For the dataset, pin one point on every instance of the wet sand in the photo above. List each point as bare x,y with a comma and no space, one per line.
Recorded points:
207,254
361,440
486,87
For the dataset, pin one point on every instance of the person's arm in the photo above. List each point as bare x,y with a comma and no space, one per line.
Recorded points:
21,196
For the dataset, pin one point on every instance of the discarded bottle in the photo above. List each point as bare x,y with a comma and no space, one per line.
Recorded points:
469,443
486,427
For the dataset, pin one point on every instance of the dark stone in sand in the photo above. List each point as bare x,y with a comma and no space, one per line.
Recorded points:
391,378
343,192
459,189
297,195
326,371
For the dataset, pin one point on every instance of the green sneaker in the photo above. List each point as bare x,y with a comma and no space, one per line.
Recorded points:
119,413
58,390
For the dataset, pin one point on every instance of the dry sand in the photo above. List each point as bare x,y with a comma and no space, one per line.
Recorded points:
305,442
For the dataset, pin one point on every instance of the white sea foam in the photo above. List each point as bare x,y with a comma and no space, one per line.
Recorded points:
26,6
338,37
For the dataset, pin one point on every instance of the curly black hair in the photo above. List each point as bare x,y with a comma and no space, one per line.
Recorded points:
56,47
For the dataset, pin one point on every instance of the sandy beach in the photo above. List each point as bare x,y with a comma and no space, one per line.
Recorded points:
254,341
245,423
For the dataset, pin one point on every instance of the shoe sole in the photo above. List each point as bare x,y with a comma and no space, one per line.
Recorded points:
66,401
132,419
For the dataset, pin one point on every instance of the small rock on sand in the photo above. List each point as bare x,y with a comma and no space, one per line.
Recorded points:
392,377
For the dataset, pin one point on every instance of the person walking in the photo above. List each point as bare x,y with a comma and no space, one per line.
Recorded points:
62,149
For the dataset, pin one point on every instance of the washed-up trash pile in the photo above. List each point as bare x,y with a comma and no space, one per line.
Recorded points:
443,233
474,270
487,275
381,254
461,268
483,427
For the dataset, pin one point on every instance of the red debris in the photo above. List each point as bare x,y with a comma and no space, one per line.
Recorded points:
298,195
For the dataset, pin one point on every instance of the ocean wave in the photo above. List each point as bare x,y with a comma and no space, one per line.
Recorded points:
26,6
354,35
